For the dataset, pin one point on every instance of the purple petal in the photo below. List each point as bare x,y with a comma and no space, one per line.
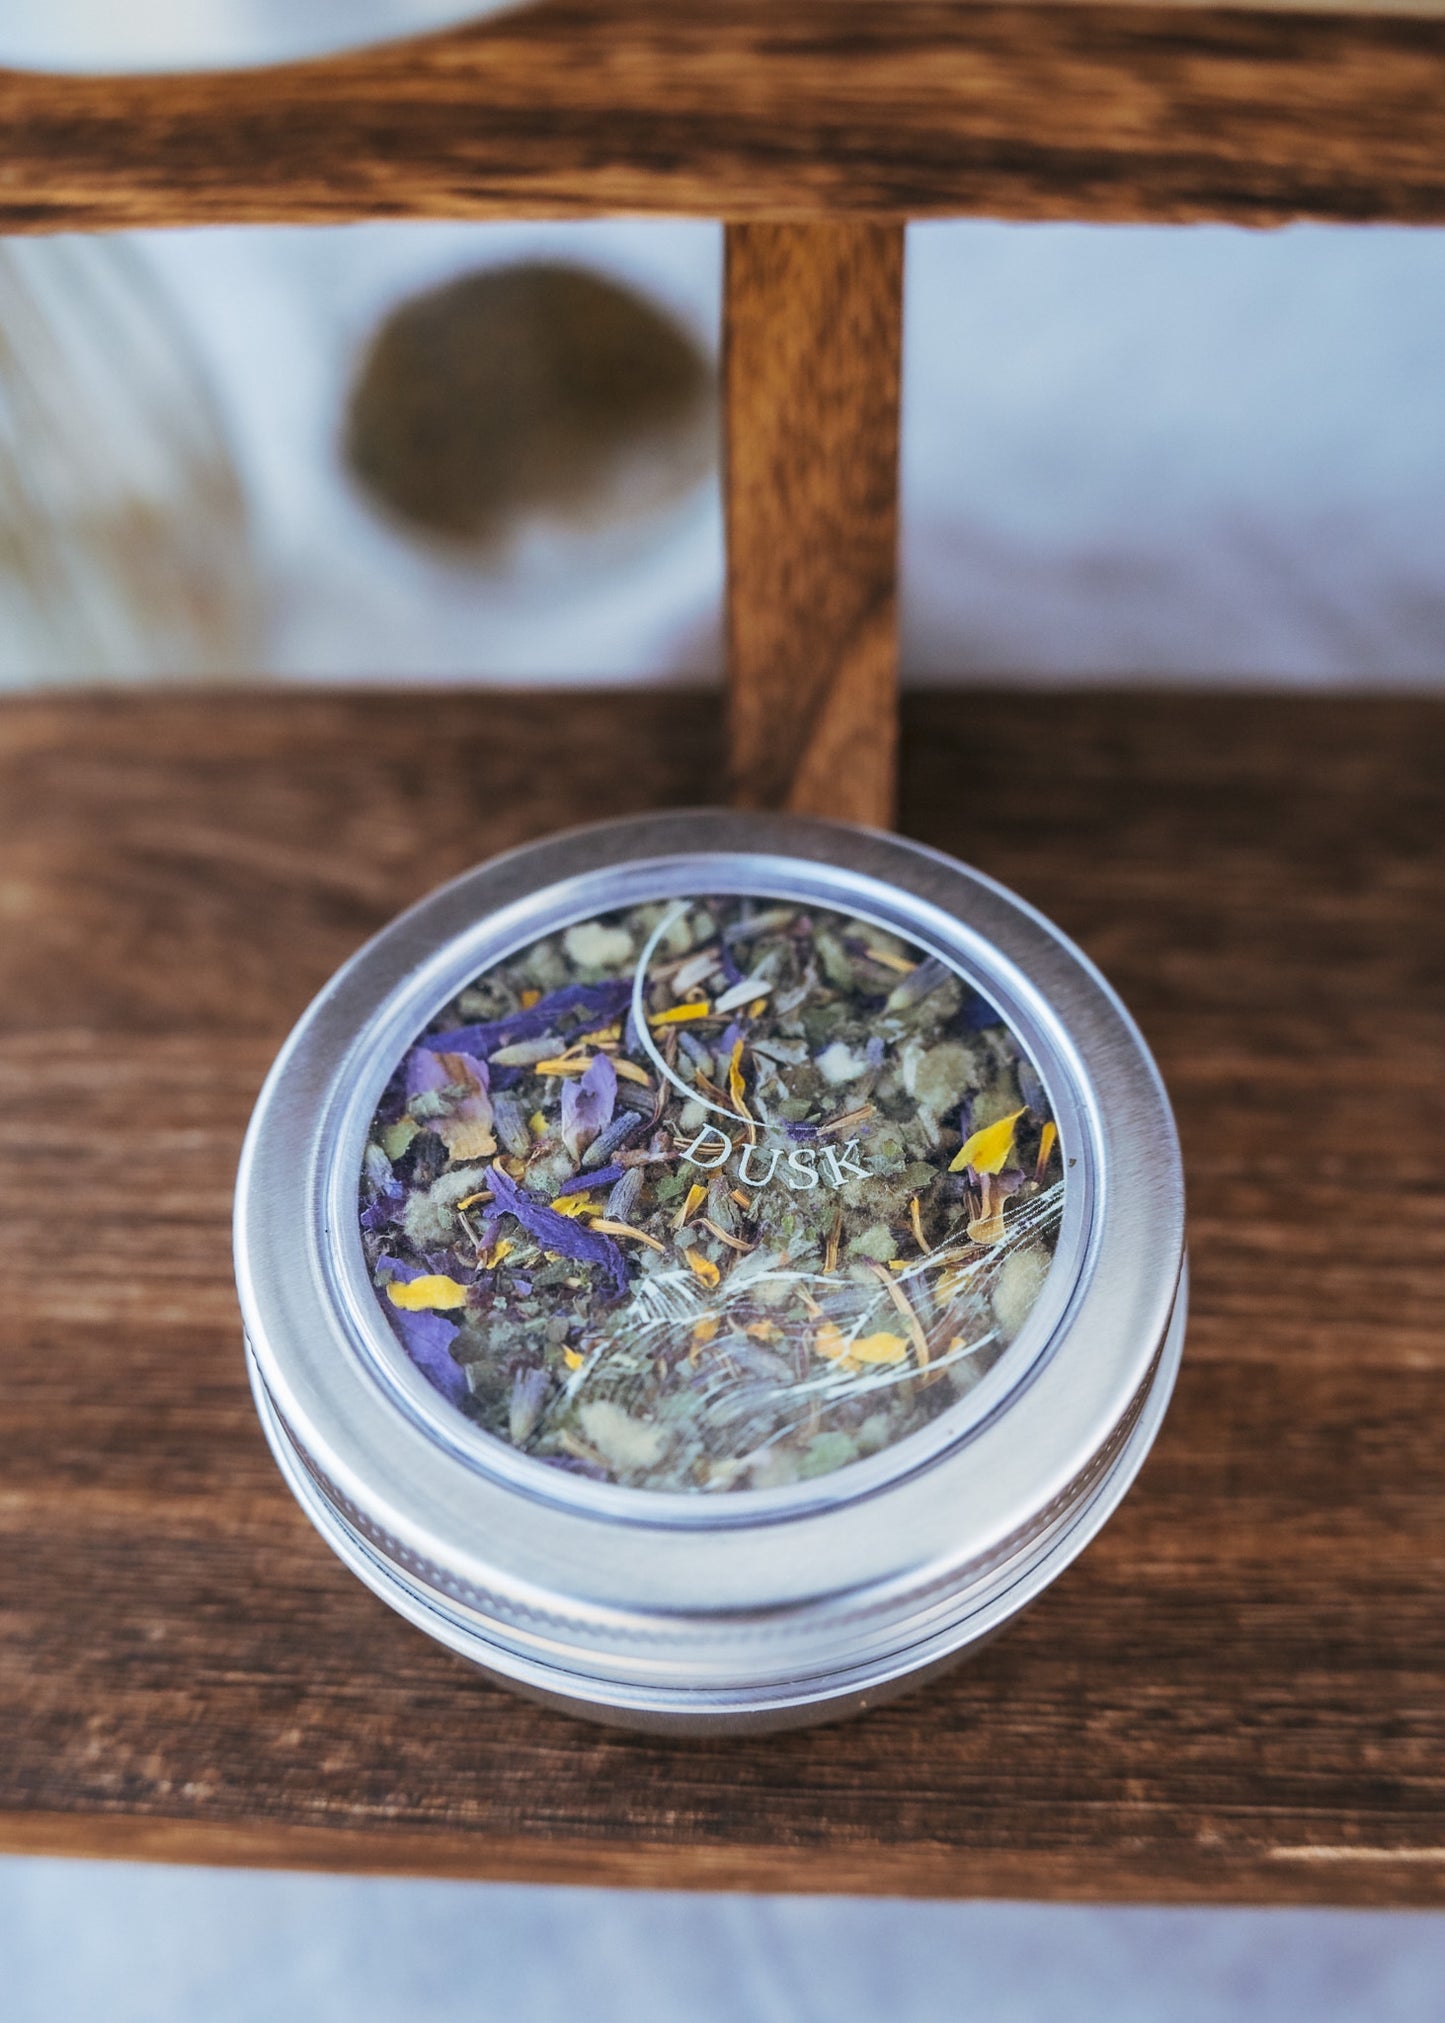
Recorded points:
581,1001
587,1105
558,1232
427,1339
424,1071
604,1176
471,1064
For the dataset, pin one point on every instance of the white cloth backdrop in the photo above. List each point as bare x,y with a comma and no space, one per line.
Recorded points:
1156,453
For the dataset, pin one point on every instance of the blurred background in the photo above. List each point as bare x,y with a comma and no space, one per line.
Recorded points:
459,453
405,453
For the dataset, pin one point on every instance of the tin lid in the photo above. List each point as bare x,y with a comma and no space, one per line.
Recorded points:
704,1255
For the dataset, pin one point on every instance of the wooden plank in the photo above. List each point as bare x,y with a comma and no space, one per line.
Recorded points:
812,329
1021,108
1235,1694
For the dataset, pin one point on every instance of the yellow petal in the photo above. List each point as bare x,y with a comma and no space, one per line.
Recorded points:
529,998
433,1291
1047,1138
705,1329
910,1319
987,1150
606,1228
988,1225
537,1124
703,1267
880,1348
681,1014
737,1088
573,1359
466,1137
696,1196
574,1205
830,1341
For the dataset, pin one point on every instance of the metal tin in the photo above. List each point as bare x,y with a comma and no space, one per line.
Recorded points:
816,1573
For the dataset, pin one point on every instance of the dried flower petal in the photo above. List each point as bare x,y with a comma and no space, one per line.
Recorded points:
742,993
626,1229
911,1321
574,1204
680,1014
587,1105
988,1225
879,1348
558,1232
987,1150
592,1001
427,1339
693,1201
432,1290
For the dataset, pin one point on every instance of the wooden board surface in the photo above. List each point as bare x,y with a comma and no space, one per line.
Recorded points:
1019,108
1237,1691
812,340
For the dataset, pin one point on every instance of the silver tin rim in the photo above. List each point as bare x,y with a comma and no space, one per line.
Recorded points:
757,1607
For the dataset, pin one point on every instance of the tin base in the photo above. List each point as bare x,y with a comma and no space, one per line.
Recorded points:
712,1711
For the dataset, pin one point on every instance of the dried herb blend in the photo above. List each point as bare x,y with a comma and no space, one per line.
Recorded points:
711,1194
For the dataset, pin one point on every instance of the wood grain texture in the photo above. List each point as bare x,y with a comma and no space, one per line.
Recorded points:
812,334
742,108
1234,1694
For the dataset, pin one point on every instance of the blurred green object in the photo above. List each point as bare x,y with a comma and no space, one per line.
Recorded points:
124,550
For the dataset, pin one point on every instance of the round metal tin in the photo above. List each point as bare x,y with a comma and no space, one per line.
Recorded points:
764,1606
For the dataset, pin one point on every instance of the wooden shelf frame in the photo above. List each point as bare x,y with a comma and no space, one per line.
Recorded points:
826,123
1236,1694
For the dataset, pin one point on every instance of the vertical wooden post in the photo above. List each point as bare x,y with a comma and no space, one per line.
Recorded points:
812,328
